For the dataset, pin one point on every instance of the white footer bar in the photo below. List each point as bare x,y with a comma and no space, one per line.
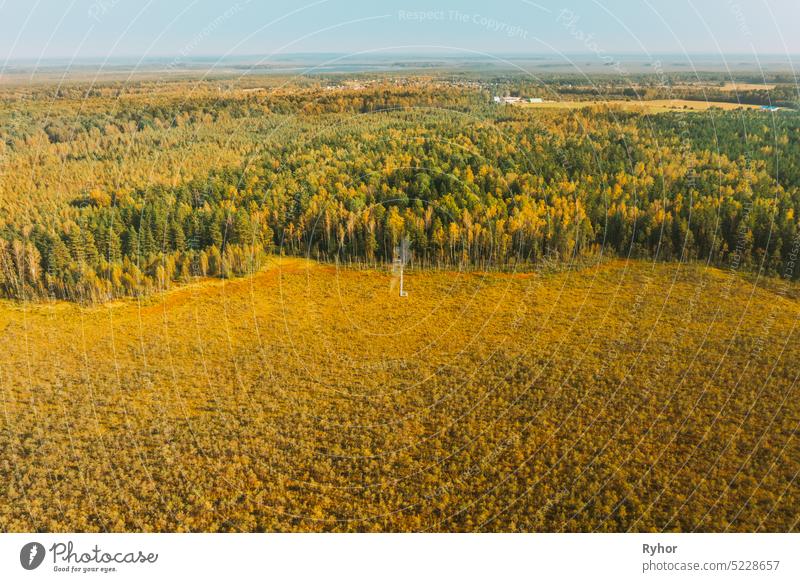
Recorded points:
406,557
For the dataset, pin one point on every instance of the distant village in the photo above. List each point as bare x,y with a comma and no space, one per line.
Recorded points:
511,100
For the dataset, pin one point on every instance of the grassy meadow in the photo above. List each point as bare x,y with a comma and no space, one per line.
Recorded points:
623,396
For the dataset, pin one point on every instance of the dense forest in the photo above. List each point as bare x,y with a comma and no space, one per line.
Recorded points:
342,173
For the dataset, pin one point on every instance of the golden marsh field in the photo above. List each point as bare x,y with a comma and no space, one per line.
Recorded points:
621,396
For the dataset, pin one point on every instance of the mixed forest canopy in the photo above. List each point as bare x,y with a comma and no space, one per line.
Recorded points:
112,192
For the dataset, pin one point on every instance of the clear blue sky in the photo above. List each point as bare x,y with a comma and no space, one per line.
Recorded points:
193,28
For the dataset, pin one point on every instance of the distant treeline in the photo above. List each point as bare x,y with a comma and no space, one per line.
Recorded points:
776,91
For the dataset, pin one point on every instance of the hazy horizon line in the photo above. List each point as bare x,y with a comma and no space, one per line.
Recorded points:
446,53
